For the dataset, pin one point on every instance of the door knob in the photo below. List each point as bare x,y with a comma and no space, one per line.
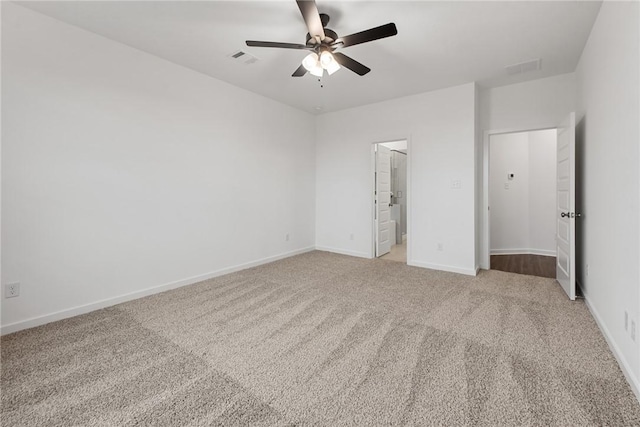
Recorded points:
570,215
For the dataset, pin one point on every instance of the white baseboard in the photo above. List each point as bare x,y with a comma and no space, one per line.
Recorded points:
525,251
449,268
75,311
622,362
343,252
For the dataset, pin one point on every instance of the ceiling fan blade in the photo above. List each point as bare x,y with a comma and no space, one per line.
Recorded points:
351,64
301,71
311,17
365,36
254,43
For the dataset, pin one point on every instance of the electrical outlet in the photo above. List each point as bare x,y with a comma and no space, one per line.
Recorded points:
456,184
588,274
286,237
633,329
11,290
626,320
440,246
506,185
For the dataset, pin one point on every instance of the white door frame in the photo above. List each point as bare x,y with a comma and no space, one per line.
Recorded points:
372,174
485,247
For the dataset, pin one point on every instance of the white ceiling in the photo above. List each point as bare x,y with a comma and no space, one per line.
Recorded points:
439,44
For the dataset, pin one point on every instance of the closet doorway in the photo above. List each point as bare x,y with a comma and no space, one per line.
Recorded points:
522,200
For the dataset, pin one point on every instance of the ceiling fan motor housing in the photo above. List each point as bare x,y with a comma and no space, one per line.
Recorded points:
329,37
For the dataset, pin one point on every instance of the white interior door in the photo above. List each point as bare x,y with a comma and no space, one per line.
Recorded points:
383,199
566,205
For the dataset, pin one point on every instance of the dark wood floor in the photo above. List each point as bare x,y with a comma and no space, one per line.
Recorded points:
534,265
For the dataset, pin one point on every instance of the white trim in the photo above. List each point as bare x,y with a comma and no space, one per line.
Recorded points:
344,252
372,191
485,258
624,365
440,267
82,309
523,251
409,198
1,151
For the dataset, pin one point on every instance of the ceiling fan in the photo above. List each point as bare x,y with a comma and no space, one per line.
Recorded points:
323,43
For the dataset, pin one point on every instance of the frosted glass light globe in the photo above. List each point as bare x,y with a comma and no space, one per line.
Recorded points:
310,61
326,58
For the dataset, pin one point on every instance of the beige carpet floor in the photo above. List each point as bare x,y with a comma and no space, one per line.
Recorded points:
323,339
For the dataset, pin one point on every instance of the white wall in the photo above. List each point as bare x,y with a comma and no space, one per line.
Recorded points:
609,139
542,191
537,104
122,171
440,130
509,153
523,215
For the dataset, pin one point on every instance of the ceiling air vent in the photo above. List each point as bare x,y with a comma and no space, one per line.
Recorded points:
243,57
524,67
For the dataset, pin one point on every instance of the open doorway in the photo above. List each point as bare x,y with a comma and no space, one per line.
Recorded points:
522,200
390,200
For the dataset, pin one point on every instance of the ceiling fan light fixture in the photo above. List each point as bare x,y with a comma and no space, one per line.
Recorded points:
326,58
317,71
332,67
323,41
310,61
